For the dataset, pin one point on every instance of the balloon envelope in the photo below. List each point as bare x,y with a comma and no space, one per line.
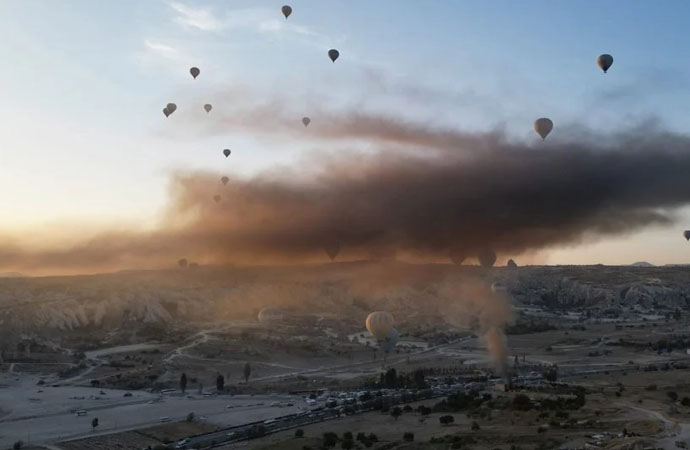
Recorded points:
182,263
543,127
306,121
686,235
195,72
487,259
333,54
380,324
511,264
604,62
270,315
216,198
287,10
171,107
332,249
226,152
225,180
166,112
208,107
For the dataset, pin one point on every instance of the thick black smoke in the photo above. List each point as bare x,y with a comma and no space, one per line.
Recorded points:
422,192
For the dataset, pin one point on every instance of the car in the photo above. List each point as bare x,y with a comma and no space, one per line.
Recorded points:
231,434
182,444
269,421
127,394
81,412
275,404
165,419
289,404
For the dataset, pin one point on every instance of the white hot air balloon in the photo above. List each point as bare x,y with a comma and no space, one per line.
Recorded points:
543,127
380,324
270,315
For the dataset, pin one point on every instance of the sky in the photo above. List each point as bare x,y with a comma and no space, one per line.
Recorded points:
84,144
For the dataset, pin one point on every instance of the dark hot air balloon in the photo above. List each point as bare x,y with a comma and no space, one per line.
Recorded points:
333,54
287,10
226,152
195,72
604,62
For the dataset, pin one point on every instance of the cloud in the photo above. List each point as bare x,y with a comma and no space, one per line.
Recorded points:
162,50
200,18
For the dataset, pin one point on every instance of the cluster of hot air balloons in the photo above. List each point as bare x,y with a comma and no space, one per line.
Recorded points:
544,125
170,108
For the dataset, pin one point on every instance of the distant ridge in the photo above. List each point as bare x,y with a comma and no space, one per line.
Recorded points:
12,275
642,264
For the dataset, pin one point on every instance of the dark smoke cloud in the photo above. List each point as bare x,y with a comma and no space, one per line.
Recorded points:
419,193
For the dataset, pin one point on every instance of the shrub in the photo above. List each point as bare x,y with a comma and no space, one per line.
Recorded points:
522,402
373,437
475,426
651,387
685,401
347,435
17,445
541,430
672,395
348,444
409,437
407,409
299,433
446,420
361,436
330,439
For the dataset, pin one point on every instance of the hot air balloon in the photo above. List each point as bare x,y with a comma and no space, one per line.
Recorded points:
226,152
487,258
171,107
388,343
543,127
306,121
511,264
604,62
208,107
287,10
270,315
333,54
332,249
195,72
225,180
498,287
166,112
686,235
380,324
457,254
216,198
182,263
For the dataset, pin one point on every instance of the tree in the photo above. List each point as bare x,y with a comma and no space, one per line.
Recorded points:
347,444
391,378
94,424
183,382
220,383
672,395
522,402
475,426
419,380
247,372
347,435
299,433
407,409
330,439
190,417
446,420
396,412
17,445
409,437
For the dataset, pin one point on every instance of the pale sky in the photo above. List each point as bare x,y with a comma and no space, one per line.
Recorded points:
83,138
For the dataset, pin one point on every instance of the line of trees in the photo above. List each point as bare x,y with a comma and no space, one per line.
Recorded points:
220,379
